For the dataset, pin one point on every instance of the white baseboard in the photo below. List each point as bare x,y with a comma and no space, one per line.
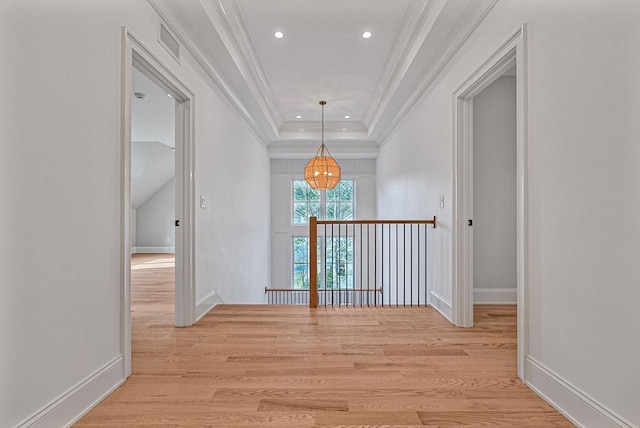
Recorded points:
76,402
441,305
206,304
495,296
579,408
153,250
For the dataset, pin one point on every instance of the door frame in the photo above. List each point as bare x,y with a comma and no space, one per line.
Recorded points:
135,54
511,52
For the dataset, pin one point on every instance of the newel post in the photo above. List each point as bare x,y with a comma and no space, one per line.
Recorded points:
313,262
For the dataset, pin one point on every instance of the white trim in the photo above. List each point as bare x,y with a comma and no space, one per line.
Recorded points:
125,190
216,82
417,23
440,304
301,149
207,303
577,406
77,401
134,53
382,135
495,296
511,52
226,17
152,250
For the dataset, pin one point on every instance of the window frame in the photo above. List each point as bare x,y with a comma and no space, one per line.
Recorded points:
323,201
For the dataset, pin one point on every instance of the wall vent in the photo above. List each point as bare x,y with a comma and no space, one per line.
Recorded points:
169,41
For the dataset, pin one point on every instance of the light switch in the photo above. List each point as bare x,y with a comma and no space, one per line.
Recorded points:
442,201
203,201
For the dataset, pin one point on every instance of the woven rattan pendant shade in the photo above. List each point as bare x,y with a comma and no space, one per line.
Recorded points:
322,171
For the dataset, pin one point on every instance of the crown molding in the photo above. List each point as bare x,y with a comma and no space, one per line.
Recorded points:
214,75
452,47
304,149
430,35
316,127
414,29
226,17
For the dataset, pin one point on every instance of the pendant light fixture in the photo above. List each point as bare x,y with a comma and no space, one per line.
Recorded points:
322,172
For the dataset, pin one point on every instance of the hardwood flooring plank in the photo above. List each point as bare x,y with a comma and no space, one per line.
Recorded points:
367,418
302,404
292,366
495,418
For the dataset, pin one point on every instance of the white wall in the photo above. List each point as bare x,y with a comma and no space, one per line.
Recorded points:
234,239
494,193
283,172
584,170
60,188
155,219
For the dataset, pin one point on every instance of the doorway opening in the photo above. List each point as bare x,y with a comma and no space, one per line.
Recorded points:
493,192
153,170
157,174
508,62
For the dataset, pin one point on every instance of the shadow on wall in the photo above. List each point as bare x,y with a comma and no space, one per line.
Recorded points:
152,197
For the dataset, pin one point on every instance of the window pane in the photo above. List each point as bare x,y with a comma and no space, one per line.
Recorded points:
300,276
342,192
314,210
332,194
299,190
346,190
332,211
312,194
300,213
306,202
301,262
346,211
300,250
339,263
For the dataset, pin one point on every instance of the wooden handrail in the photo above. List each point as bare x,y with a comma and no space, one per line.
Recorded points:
313,248
266,290
433,221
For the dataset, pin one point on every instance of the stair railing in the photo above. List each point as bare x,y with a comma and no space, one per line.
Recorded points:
368,262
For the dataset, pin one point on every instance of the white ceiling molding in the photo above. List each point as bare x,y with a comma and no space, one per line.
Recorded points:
211,71
227,19
461,32
414,48
417,22
316,127
304,149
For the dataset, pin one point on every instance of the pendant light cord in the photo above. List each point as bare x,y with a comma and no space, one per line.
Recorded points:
322,123
323,149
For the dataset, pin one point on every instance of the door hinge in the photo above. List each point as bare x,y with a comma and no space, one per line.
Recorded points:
470,222
177,223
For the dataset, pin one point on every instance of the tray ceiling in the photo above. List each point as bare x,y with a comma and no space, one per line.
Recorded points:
323,55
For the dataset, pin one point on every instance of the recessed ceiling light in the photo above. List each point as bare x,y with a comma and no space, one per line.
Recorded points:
278,34
366,34
347,117
298,117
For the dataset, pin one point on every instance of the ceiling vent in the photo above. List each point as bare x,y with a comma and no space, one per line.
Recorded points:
169,41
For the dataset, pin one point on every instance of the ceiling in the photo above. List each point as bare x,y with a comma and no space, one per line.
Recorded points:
152,115
323,56
152,139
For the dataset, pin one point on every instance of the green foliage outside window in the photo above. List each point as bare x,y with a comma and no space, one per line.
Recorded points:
335,204
338,271
307,202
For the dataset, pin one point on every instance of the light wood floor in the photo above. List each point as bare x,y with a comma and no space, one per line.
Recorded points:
285,366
